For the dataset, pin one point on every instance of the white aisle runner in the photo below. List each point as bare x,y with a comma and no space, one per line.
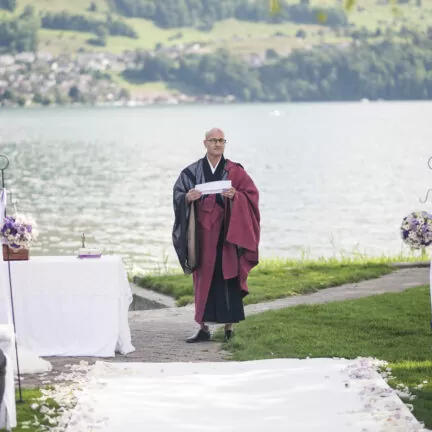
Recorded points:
319,395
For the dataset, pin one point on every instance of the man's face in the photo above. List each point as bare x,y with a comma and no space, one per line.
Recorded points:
215,143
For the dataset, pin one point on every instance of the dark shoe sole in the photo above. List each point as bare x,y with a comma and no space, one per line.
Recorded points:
201,336
197,341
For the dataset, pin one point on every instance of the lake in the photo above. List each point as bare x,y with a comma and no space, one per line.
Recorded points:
333,177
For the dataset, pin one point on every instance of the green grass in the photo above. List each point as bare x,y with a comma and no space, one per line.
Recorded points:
390,327
274,279
60,41
26,415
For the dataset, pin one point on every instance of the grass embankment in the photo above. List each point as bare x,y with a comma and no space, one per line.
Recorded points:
390,327
274,279
34,419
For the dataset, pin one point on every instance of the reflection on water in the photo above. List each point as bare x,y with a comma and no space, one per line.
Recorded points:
331,176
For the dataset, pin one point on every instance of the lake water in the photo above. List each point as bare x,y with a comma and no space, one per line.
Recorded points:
332,177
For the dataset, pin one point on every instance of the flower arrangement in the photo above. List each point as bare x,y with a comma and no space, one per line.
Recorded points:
18,232
416,229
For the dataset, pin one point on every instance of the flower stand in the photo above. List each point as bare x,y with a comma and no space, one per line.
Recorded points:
10,254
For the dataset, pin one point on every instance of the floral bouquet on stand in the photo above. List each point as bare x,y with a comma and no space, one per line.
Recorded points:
416,230
18,233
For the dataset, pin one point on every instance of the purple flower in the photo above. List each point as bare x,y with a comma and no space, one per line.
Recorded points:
415,232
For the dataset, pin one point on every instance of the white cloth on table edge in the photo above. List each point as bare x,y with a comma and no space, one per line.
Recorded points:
8,418
29,362
65,306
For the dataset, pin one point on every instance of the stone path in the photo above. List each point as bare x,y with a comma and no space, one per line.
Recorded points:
158,335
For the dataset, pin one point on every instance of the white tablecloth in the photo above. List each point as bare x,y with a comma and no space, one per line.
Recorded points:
7,408
65,306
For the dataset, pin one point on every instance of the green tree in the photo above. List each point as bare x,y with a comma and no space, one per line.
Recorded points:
21,100
60,98
102,35
9,95
271,54
381,70
66,21
9,5
301,34
204,13
125,94
93,7
38,98
29,11
19,34
75,93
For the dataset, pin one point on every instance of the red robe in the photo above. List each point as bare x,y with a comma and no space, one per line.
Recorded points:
241,219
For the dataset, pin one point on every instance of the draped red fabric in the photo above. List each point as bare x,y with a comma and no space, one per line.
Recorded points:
241,220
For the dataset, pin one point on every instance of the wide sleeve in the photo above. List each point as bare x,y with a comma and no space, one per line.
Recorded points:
181,213
244,221
185,238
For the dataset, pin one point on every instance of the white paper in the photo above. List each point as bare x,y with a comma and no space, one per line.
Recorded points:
214,187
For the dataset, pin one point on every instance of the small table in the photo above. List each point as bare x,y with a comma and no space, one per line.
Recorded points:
7,407
66,306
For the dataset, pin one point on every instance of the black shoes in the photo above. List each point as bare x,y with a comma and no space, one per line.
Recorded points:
228,335
203,335
200,336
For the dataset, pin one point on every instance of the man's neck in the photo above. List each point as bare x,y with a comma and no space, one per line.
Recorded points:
214,160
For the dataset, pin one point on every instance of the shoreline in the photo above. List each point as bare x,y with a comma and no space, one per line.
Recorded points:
216,102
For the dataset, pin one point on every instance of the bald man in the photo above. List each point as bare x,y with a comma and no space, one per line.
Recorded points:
216,236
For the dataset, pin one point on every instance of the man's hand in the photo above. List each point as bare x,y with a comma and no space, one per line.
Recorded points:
193,195
230,193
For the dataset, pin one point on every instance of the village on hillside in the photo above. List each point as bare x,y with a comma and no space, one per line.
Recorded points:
89,77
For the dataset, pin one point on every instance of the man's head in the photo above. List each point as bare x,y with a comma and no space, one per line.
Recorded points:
214,142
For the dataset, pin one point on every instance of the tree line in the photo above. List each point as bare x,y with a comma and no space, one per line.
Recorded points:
9,5
388,70
21,33
204,13
81,23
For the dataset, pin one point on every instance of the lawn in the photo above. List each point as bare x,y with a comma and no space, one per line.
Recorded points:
29,417
390,327
274,279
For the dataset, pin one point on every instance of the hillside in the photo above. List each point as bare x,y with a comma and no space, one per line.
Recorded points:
239,36
115,51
